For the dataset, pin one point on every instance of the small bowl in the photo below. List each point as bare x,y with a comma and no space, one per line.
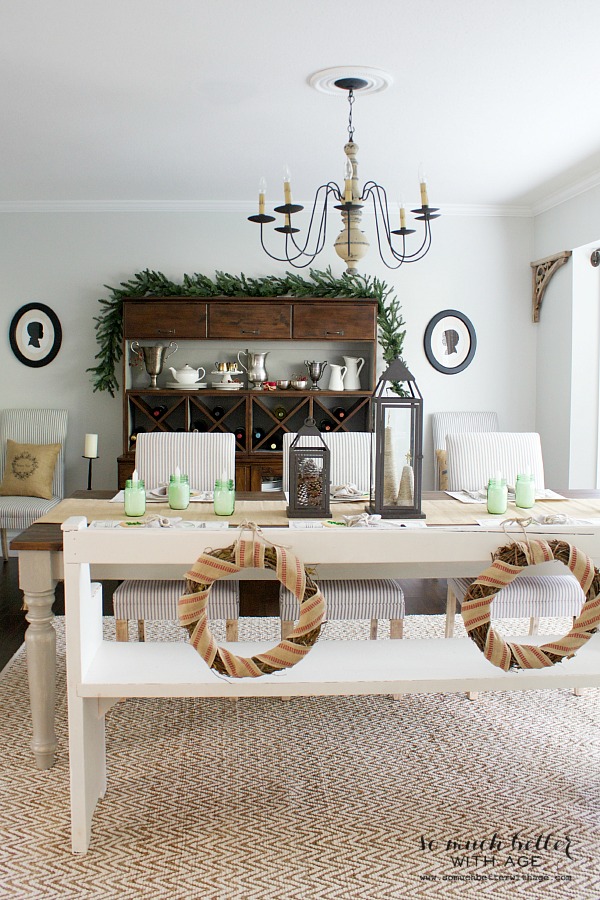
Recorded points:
298,384
283,385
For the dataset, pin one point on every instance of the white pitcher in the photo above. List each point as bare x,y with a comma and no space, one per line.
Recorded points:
336,379
353,364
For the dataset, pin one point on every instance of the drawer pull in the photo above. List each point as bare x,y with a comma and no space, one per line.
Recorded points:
165,331
334,332
247,331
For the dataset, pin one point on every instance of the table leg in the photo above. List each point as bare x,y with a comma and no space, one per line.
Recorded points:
37,584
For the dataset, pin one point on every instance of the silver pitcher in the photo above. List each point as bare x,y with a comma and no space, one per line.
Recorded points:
153,358
256,367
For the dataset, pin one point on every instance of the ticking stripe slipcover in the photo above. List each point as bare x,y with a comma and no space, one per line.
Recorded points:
443,423
381,598
474,457
158,600
32,426
350,457
202,456
530,595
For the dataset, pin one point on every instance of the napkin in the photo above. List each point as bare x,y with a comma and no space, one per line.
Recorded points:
346,492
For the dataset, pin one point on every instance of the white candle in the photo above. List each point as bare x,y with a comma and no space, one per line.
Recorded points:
134,477
177,473
90,446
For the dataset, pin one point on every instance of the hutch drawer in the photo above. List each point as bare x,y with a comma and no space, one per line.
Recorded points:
334,322
265,321
168,319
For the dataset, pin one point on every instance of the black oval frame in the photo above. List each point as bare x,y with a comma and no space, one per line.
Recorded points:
429,352
57,337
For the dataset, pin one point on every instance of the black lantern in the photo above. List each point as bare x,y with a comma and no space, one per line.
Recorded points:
396,468
309,474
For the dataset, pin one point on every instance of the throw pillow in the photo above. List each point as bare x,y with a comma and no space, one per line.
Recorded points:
29,470
442,464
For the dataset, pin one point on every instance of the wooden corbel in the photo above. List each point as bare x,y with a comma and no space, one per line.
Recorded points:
543,270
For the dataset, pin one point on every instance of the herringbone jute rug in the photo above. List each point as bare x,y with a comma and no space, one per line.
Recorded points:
356,798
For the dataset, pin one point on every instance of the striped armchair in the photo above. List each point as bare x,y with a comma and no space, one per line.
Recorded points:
31,426
348,599
471,460
204,457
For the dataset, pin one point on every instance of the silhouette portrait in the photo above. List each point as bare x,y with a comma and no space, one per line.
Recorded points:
35,330
450,339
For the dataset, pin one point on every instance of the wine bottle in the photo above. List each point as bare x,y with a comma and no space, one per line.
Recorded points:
240,435
218,412
339,412
275,442
158,411
280,412
326,425
199,425
258,434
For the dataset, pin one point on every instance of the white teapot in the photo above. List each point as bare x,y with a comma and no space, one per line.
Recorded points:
187,375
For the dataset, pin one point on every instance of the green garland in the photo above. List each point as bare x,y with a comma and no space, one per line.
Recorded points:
109,324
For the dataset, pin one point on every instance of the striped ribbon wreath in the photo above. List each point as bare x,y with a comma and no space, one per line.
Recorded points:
507,563
254,553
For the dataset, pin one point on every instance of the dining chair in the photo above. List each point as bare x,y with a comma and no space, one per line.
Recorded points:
472,457
37,427
347,599
205,457
443,423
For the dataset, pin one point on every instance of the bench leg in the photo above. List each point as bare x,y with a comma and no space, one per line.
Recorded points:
473,695
141,630
231,630
88,767
4,544
534,624
122,629
373,630
450,612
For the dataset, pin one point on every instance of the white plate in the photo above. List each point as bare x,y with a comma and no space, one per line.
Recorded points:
230,372
187,387
226,386
358,498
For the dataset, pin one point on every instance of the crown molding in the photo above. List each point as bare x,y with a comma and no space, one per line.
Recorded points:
567,193
242,207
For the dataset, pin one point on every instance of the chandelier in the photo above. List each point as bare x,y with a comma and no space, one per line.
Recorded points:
351,243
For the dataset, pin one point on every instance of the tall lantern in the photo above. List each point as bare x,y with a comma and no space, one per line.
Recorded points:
309,474
397,464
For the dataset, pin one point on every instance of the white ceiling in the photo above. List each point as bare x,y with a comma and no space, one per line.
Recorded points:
191,101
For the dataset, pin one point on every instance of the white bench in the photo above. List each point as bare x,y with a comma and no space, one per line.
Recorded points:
100,672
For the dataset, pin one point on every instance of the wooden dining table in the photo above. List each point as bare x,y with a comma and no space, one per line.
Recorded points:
457,540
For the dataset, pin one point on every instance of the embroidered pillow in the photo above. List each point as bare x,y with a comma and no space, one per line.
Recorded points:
29,470
442,465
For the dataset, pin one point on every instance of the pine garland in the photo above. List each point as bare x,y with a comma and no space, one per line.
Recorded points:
109,323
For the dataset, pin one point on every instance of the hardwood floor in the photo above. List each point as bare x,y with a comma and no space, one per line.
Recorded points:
422,597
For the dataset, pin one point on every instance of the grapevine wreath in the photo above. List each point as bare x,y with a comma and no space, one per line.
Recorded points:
507,563
290,571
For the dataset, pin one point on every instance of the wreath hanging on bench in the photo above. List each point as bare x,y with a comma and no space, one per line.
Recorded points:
507,563
290,571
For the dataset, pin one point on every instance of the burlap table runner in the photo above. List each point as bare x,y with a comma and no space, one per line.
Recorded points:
272,512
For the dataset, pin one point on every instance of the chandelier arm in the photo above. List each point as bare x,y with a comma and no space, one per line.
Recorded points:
329,188
369,192
375,191
277,258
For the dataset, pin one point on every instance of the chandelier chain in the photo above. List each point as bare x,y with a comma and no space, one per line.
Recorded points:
350,125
